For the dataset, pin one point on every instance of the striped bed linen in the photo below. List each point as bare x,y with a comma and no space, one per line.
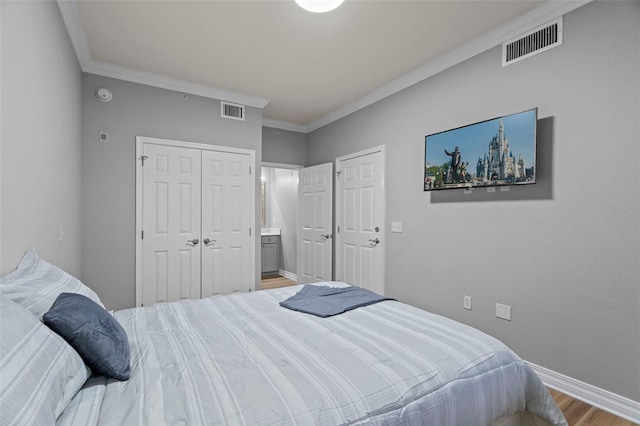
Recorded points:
244,360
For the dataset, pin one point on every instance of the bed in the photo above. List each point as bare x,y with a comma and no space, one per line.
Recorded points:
243,359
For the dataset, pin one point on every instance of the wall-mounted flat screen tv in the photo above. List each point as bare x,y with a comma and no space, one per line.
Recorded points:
495,152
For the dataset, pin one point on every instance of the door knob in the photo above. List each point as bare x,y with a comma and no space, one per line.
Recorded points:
376,241
326,236
195,241
208,242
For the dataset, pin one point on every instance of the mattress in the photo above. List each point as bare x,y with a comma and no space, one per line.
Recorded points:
244,360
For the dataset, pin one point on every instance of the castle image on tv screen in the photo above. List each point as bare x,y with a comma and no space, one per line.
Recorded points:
500,151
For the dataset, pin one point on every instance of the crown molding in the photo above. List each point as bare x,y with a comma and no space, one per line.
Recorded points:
170,83
284,125
71,19
489,40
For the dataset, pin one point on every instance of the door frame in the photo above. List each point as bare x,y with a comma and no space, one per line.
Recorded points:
338,209
267,164
140,142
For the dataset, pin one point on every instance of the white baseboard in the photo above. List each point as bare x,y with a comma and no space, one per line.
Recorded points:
625,408
288,275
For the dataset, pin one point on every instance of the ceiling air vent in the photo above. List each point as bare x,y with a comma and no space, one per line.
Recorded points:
234,111
533,42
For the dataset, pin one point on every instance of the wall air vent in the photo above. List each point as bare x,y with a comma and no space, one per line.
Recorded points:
533,42
228,110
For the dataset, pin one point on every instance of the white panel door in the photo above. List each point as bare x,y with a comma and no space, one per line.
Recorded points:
360,219
226,223
315,224
171,224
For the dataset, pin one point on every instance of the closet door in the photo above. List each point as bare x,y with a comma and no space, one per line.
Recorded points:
171,224
226,223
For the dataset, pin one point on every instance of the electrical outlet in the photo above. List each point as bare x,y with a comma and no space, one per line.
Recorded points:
104,137
503,311
466,302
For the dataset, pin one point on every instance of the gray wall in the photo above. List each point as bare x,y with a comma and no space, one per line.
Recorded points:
41,122
108,174
564,253
284,146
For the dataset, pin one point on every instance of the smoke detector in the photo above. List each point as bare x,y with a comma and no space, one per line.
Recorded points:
104,94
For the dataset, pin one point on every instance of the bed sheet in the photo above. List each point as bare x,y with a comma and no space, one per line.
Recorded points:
244,360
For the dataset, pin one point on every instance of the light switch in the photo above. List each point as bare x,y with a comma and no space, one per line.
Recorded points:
466,302
396,226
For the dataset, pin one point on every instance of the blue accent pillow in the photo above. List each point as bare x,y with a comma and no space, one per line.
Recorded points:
97,336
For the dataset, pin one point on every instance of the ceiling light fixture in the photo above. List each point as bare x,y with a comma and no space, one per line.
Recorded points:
319,6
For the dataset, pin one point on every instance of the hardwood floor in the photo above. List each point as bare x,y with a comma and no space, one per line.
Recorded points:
576,412
579,413
275,281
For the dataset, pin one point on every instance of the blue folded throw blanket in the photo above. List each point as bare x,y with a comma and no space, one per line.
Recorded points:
328,301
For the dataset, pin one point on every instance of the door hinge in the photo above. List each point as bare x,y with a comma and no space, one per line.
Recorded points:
249,231
338,229
142,158
249,170
142,234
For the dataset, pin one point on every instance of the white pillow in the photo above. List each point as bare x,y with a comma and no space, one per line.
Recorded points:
36,284
40,372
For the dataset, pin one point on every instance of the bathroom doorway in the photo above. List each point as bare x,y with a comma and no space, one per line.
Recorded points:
279,195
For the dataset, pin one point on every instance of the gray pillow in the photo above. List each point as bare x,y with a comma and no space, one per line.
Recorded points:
39,372
97,337
36,283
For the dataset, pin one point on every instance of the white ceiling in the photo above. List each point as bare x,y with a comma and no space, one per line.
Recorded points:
308,69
